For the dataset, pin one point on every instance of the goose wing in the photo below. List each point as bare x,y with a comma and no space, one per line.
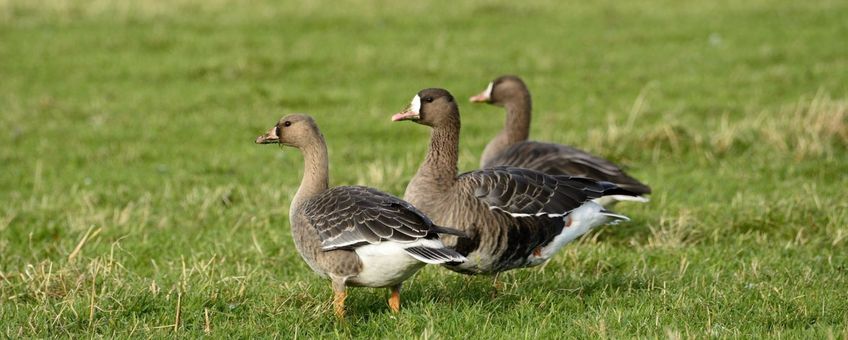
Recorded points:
556,159
354,215
523,192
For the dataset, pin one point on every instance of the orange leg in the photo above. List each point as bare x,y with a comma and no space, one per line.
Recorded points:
394,300
338,302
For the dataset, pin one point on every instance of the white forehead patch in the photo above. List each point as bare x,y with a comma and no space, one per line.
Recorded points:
488,91
415,105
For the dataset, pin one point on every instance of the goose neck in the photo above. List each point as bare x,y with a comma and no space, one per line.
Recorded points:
440,165
315,172
517,125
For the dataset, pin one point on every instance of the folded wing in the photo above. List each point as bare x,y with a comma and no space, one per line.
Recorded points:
353,215
523,192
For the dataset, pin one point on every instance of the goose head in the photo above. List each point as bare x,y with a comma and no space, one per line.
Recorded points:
501,90
432,107
295,130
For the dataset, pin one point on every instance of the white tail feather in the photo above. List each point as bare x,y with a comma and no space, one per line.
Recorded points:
434,255
617,218
613,199
641,199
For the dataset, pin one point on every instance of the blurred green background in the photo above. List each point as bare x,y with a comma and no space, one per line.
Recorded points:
133,201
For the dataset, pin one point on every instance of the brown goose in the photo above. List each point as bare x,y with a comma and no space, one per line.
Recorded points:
511,147
513,217
354,235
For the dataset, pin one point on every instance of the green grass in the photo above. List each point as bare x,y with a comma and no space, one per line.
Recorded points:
132,192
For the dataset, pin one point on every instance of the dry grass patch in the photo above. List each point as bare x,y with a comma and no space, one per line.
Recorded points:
810,128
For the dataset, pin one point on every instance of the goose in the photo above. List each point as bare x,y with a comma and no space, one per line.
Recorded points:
511,147
513,217
354,235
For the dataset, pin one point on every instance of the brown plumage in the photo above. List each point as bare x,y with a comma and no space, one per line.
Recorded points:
354,235
514,217
511,147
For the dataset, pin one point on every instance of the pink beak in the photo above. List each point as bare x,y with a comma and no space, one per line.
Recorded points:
405,115
269,137
480,98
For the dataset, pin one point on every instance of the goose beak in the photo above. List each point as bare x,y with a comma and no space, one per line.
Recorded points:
485,96
411,112
407,114
269,137
482,97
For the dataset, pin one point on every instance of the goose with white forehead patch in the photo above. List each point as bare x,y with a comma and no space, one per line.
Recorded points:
514,217
511,147
354,235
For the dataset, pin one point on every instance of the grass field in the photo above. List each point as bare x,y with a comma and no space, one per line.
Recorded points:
134,202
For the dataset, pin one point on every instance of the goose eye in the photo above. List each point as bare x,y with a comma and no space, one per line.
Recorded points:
287,123
428,99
